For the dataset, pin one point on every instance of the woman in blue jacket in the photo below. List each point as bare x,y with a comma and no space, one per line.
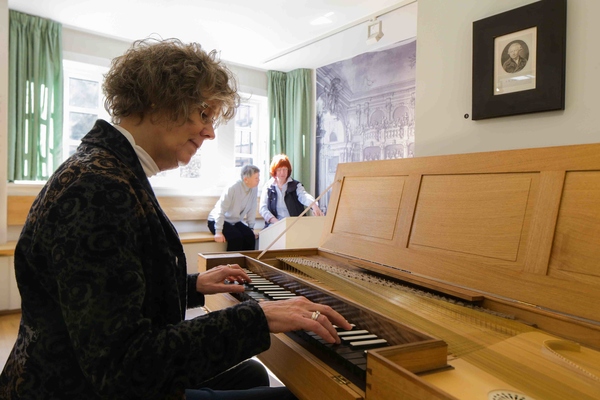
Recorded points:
283,196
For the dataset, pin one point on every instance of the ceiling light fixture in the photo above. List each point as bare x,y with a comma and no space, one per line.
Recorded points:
343,28
374,32
322,20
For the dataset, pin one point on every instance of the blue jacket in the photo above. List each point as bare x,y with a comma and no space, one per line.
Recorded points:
290,198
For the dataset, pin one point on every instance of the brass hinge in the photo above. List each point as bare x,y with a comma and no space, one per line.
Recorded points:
341,380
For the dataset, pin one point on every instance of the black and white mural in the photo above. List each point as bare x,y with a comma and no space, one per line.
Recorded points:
365,110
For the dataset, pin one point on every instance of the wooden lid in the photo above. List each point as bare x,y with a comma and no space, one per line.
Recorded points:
522,225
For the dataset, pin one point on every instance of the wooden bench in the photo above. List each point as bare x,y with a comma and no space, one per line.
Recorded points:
193,243
7,249
177,208
187,208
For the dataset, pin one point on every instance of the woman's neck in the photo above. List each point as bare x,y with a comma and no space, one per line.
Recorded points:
280,182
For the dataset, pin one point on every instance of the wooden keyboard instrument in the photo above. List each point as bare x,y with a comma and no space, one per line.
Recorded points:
481,270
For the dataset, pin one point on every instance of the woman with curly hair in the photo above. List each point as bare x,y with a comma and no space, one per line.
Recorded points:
102,272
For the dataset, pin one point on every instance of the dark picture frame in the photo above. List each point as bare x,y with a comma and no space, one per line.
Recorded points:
537,34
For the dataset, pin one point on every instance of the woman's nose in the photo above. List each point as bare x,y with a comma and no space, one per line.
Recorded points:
208,132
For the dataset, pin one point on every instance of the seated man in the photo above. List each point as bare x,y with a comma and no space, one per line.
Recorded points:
239,201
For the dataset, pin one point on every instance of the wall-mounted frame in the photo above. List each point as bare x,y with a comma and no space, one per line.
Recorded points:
519,61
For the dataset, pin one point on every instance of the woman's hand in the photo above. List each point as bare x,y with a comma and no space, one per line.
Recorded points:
222,279
317,211
301,313
219,238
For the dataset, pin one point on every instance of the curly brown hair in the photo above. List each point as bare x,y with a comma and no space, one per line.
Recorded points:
169,79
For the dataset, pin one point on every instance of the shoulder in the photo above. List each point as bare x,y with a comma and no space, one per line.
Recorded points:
236,185
270,185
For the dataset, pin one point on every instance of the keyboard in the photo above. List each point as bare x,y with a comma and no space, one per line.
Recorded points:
347,358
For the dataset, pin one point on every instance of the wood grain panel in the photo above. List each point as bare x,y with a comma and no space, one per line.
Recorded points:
576,246
178,208
477,235
543,222
18,208
369,206
185,208
482,214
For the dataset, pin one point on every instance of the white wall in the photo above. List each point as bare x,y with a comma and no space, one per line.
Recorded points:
89,48
93,49
444,40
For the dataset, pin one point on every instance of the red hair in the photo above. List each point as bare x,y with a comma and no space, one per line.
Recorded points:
280,160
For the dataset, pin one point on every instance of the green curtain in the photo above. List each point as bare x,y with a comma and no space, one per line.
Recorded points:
298,123
35,109
276,99
290,114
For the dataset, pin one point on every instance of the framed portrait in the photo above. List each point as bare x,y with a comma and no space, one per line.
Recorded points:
519,61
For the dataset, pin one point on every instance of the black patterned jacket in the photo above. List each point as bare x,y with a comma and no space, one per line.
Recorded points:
104,289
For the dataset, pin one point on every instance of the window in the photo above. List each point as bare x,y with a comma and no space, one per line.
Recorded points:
252,135
245,135
83,102
240,142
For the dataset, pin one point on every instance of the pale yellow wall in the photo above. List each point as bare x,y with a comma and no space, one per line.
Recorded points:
444,40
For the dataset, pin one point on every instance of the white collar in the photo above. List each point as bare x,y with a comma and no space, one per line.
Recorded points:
148,164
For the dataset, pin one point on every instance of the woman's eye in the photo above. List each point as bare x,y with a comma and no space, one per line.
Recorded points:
206,119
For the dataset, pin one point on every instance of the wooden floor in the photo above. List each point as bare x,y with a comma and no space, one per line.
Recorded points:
9,326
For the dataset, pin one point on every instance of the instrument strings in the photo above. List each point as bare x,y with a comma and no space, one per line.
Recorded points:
418,309
468,332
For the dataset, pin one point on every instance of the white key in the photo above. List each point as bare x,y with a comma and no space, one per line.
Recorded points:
352,333
368,343
360,337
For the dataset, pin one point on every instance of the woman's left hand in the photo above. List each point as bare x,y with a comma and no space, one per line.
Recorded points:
317,211
222,279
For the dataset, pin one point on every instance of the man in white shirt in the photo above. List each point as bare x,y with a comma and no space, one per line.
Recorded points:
237,203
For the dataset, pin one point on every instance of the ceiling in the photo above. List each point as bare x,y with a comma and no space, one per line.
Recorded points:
262,34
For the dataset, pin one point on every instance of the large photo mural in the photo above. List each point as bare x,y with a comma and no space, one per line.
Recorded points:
365,110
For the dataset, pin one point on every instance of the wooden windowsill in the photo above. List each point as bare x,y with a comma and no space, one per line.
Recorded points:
8,249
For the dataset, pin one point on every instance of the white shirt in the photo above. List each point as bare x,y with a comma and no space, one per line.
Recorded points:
303,196
236,204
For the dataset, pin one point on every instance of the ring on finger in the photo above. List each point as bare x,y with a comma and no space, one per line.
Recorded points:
315,315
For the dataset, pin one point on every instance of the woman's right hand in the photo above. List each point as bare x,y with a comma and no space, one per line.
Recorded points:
301,313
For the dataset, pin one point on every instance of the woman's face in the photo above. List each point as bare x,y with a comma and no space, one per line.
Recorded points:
281,174
176,144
